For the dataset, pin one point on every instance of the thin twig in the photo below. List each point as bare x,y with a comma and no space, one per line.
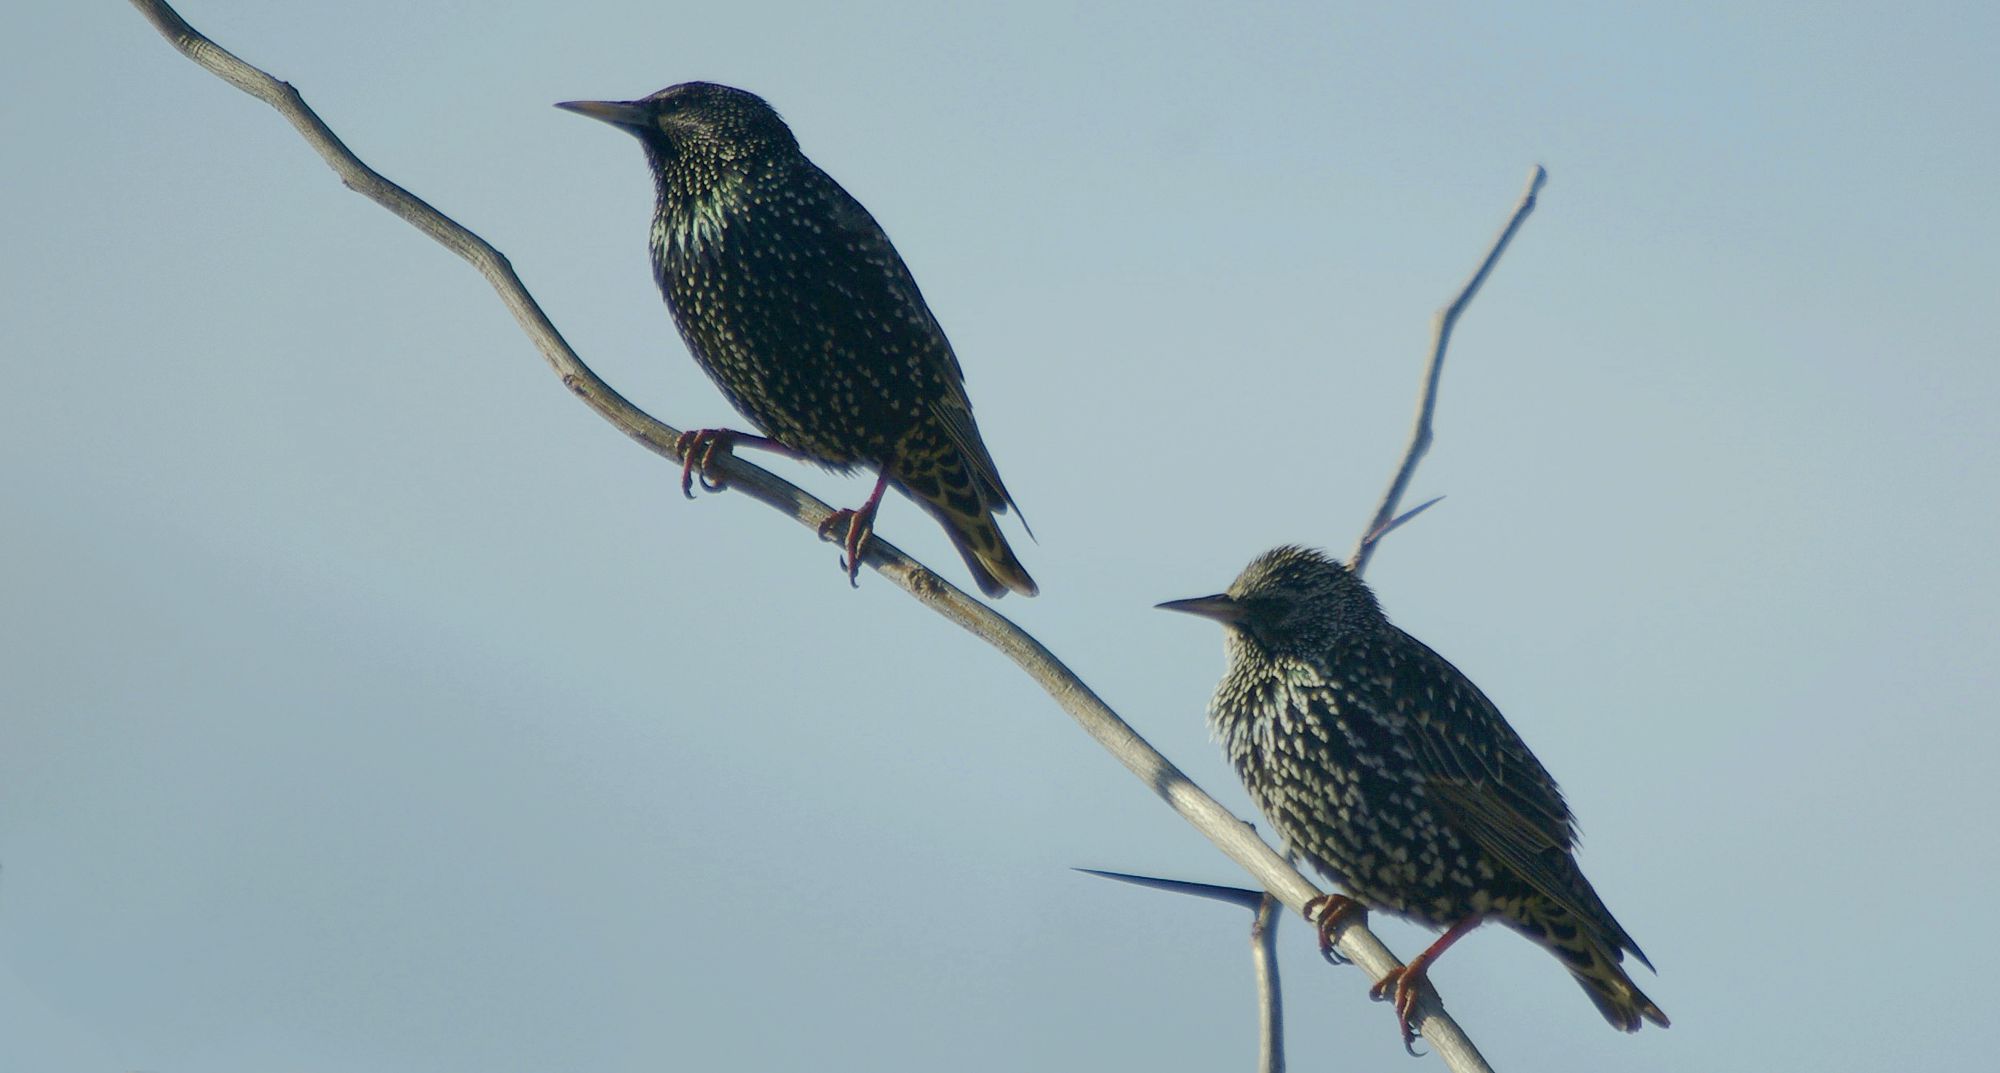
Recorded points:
1236,839
1441,327
1397,522
1264,919
1270,996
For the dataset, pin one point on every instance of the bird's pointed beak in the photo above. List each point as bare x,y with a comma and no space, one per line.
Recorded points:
1221,607
626,115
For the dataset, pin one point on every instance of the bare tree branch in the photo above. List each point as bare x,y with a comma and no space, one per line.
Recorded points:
1441,327
1398,521
1270,995
1235,838
1264,918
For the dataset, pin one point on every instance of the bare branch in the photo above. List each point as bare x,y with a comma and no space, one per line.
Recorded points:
1235,838
1270,996
1441,327
1264,919
1397,522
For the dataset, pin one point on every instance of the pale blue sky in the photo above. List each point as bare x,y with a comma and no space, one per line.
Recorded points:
365,703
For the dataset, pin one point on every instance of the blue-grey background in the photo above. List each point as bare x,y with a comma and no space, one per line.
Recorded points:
366,703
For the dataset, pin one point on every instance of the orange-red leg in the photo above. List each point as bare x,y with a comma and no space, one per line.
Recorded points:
1327,912
698,448
860,527
1404,981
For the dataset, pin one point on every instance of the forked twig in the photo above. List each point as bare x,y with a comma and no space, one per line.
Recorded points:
1442,324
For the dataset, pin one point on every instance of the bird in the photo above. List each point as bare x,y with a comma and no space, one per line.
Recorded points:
791,297
1385,768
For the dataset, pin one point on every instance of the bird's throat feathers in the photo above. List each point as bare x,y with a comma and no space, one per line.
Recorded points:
693,217
1251,662
1257,689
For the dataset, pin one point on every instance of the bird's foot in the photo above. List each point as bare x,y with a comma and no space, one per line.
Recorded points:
1327,913
860,526
1407,981
860,529
698,448
1402,984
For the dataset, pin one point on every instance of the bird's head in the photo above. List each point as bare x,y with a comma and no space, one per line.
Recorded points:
1290,601
699,119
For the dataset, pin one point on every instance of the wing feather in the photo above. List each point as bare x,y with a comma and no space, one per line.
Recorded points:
1486,782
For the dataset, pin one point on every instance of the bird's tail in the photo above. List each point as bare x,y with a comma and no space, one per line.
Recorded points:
952,495
978,538
1592,954
1617,998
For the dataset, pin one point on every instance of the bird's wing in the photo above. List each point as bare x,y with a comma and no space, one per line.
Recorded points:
951,405
857,229
1482,776
955,414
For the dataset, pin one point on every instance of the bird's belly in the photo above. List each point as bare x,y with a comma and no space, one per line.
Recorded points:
1377,839
798,372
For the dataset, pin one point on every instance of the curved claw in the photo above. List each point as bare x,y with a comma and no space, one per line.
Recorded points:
1326,913
698,448
860,529
1406,980
1403,984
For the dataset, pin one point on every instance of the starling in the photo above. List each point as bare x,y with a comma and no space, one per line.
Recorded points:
790,296
1391,773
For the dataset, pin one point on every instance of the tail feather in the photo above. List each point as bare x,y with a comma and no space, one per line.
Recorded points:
1617,998
986,554
1596,969
966,508
1592,954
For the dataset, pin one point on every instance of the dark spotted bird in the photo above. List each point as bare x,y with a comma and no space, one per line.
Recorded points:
790,296
1385,768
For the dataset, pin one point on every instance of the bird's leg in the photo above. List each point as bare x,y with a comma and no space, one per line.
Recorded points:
698,448
1327,912
860,526
1404,981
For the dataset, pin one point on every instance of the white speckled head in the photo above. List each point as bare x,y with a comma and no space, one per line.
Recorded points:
1290,600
